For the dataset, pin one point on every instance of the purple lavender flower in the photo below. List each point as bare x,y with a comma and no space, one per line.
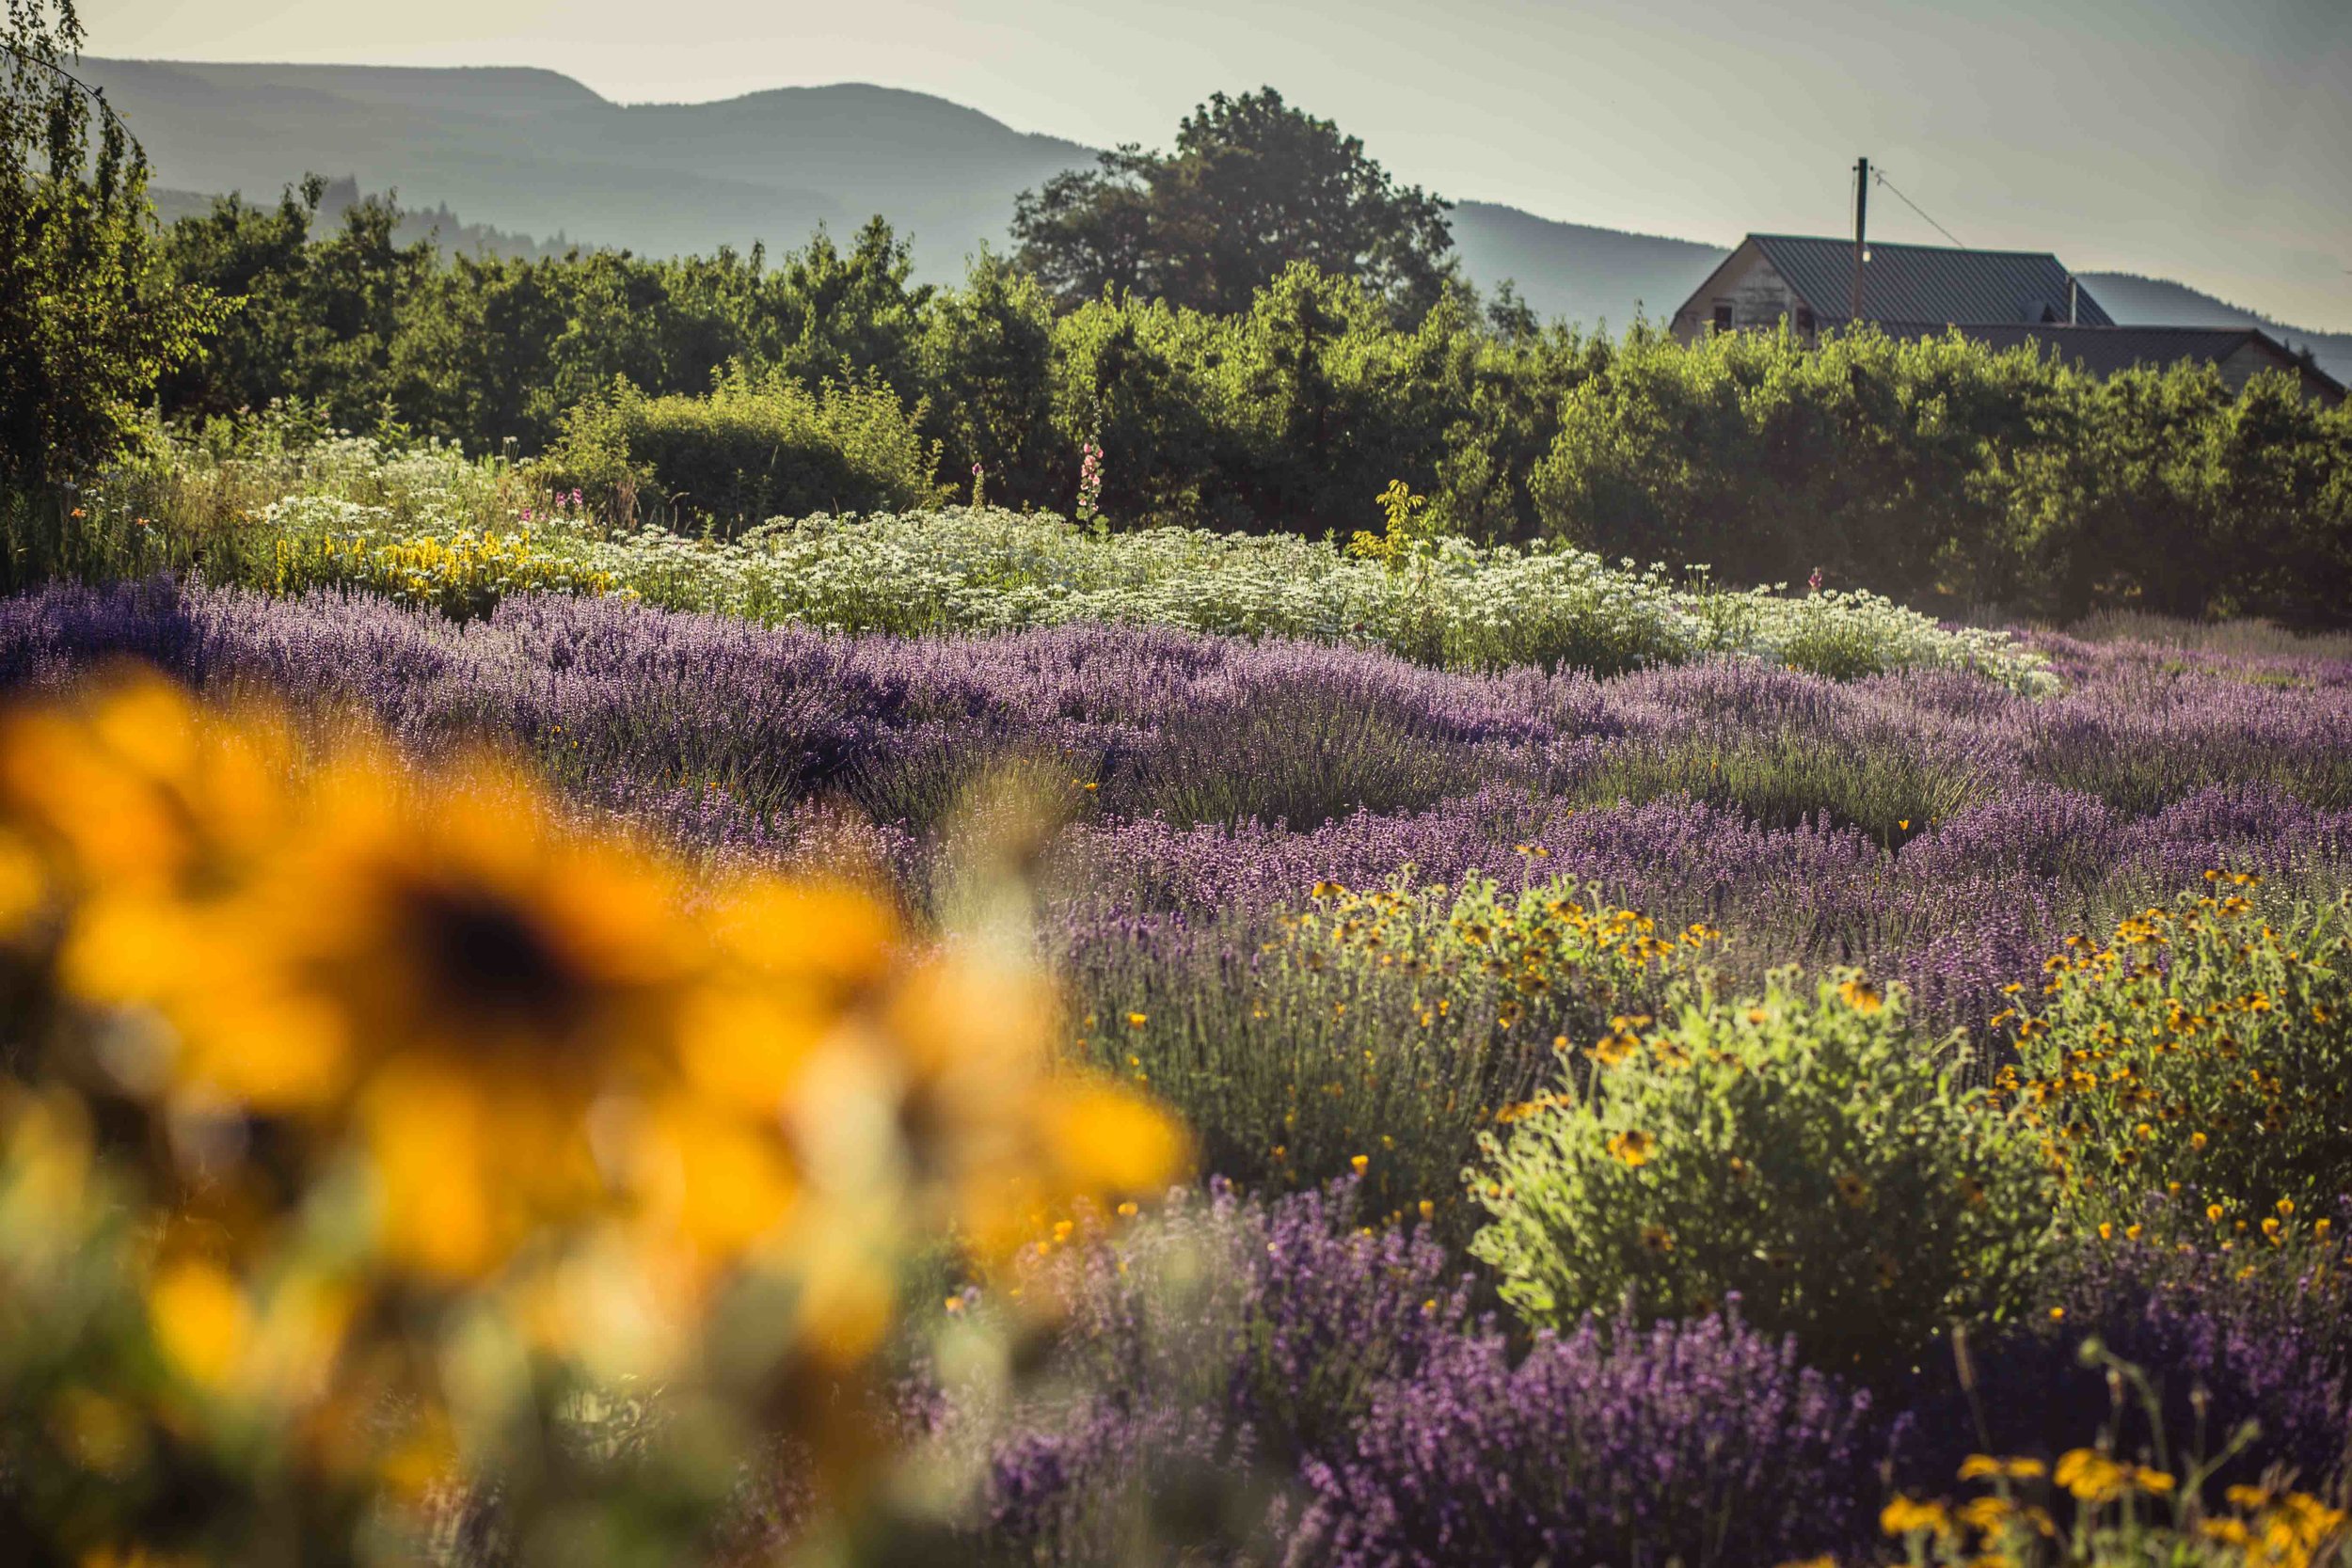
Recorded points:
1223,1342
1703,1441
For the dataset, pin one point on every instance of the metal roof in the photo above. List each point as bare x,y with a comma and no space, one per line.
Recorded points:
1927,283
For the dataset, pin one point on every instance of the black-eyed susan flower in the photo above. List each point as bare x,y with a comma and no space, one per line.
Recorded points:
1632,1146
1907,1516
1861,995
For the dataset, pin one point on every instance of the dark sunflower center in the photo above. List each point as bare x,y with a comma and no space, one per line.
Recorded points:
485,956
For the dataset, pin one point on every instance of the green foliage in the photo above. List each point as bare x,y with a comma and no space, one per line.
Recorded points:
1375,1031
1803,1151
260,257
89,317
492,349
759,446
1769,457
986,364
2208,1044
1252,187
1937,470
1409,532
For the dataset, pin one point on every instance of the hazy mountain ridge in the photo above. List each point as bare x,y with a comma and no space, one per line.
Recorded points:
521,152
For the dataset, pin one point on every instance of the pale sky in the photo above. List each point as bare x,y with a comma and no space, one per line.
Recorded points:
2204,140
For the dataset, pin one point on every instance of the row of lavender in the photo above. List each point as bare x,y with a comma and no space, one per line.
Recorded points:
1930,827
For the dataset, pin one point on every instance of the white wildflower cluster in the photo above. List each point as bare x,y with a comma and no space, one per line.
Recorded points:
966,569
962,570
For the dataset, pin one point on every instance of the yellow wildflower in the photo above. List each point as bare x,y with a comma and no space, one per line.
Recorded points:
1632,1146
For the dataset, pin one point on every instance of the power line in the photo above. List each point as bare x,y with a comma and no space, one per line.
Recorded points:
1916,207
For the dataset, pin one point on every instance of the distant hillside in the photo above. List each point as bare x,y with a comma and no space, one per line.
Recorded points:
1578,272
523,152
534,152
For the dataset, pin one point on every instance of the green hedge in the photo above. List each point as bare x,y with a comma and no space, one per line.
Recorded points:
757,446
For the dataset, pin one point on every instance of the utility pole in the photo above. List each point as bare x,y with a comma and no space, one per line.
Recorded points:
1861,224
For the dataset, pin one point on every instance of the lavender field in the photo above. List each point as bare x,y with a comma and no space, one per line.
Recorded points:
1481,1265
1212,893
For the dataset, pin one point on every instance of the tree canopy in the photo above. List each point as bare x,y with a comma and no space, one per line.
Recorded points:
87,317
1253,185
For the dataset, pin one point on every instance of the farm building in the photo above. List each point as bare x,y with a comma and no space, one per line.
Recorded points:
2003,297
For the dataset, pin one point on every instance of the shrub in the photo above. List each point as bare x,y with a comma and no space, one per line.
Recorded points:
757,446
1803,1150
1939,467
1705,1443
2207,1044
1377,1032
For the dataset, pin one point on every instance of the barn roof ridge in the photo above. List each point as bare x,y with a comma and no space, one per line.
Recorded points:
1920,283
1847,245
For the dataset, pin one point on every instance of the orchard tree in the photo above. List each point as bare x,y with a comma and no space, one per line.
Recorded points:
89,320
1252,186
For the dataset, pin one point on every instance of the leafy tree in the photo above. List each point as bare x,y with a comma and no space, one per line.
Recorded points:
826,310
1130,375
87,320
1252,186
473,360
987,356
258,257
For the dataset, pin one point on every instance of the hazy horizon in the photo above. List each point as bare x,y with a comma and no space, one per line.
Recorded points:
2143,135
